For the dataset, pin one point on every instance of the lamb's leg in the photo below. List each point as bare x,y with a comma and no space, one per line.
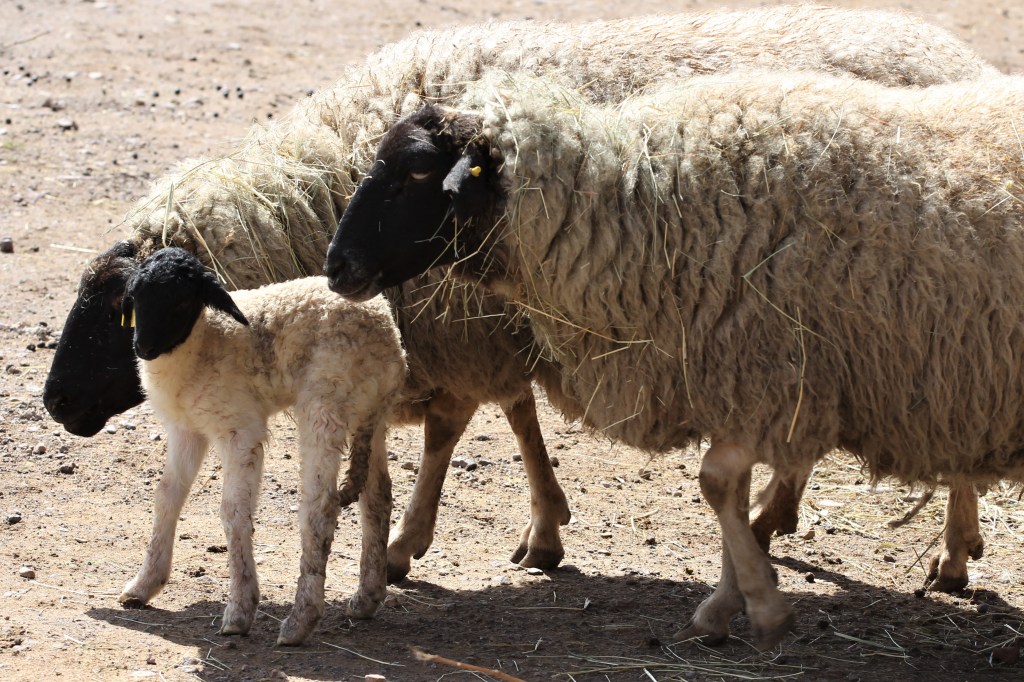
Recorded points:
445,422
321,442
725,483
242,459
375,514
185,454
540,545
961,539
781,512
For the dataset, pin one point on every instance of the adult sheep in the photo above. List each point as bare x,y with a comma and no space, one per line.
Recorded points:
215,368
782,263
266,212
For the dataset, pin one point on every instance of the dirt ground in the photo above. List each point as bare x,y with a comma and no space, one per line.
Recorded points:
100,98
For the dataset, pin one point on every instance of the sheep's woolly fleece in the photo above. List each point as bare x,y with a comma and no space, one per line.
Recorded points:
790,262
266,212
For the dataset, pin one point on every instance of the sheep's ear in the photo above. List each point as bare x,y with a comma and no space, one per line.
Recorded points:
216,296
468,187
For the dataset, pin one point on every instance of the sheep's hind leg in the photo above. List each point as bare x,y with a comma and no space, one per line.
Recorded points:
242,459
725,483
781,512
961,539
375,515
321,442
540,545
185,454
445,422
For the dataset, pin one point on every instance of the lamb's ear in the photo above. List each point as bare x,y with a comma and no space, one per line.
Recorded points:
468,186
216,296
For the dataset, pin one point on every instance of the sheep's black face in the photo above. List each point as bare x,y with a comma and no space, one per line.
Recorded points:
164,299
93,376
404,217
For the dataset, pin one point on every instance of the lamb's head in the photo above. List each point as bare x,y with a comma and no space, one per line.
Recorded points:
165,297
431,187
93,375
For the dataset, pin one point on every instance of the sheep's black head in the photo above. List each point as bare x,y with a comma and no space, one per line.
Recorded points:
93,375
165,297
433,181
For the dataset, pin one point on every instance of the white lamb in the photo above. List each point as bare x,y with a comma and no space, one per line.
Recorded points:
212,380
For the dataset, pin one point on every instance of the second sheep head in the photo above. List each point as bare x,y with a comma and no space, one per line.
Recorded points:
433,177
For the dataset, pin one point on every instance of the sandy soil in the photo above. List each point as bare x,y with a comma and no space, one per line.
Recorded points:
100,98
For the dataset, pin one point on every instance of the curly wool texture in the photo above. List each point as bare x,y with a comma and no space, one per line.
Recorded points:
267,211
787,261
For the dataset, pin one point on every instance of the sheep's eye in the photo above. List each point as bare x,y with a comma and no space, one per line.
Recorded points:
416,176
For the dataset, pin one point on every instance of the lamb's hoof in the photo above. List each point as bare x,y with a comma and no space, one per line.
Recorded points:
130,601
293,633
538,557
705,633
362,607
767,634
236,622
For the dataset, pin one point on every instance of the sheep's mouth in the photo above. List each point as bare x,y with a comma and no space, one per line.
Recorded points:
357,292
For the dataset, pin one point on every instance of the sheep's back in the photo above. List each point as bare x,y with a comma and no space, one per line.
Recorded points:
793,262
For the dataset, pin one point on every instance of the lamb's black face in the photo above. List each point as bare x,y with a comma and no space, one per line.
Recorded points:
400,221
164,299
93,376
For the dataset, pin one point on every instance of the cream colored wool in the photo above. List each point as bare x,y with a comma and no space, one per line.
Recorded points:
786,261
266,212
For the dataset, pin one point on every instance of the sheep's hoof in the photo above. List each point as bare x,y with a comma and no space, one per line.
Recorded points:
945,577
398,569
768,634
362,606
236,621
706,634
538,557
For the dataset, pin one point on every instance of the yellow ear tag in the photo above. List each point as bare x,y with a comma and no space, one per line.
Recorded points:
132,323
475,171
122,320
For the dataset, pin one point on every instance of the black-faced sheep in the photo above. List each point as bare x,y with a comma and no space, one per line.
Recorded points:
782,263
266,212
216,380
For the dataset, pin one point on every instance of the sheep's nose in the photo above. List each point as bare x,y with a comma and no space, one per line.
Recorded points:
54,402
144,351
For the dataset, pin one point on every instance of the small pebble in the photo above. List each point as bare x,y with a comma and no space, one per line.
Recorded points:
482,437
13,518
27,573
809,577
464,463
373,677
645,474
534,571
68,468
110,428
6,245
409,466
554,461
501,580
920,592
392,457
517,457
39,449
151,660
889,558
67,124
155,437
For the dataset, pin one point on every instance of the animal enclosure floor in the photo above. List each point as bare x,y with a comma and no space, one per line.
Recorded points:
98,99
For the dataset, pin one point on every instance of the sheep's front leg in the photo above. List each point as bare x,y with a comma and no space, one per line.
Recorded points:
242,459
375,515
961,539
781,511
725,483
540,545
321,441
445,422
185,453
